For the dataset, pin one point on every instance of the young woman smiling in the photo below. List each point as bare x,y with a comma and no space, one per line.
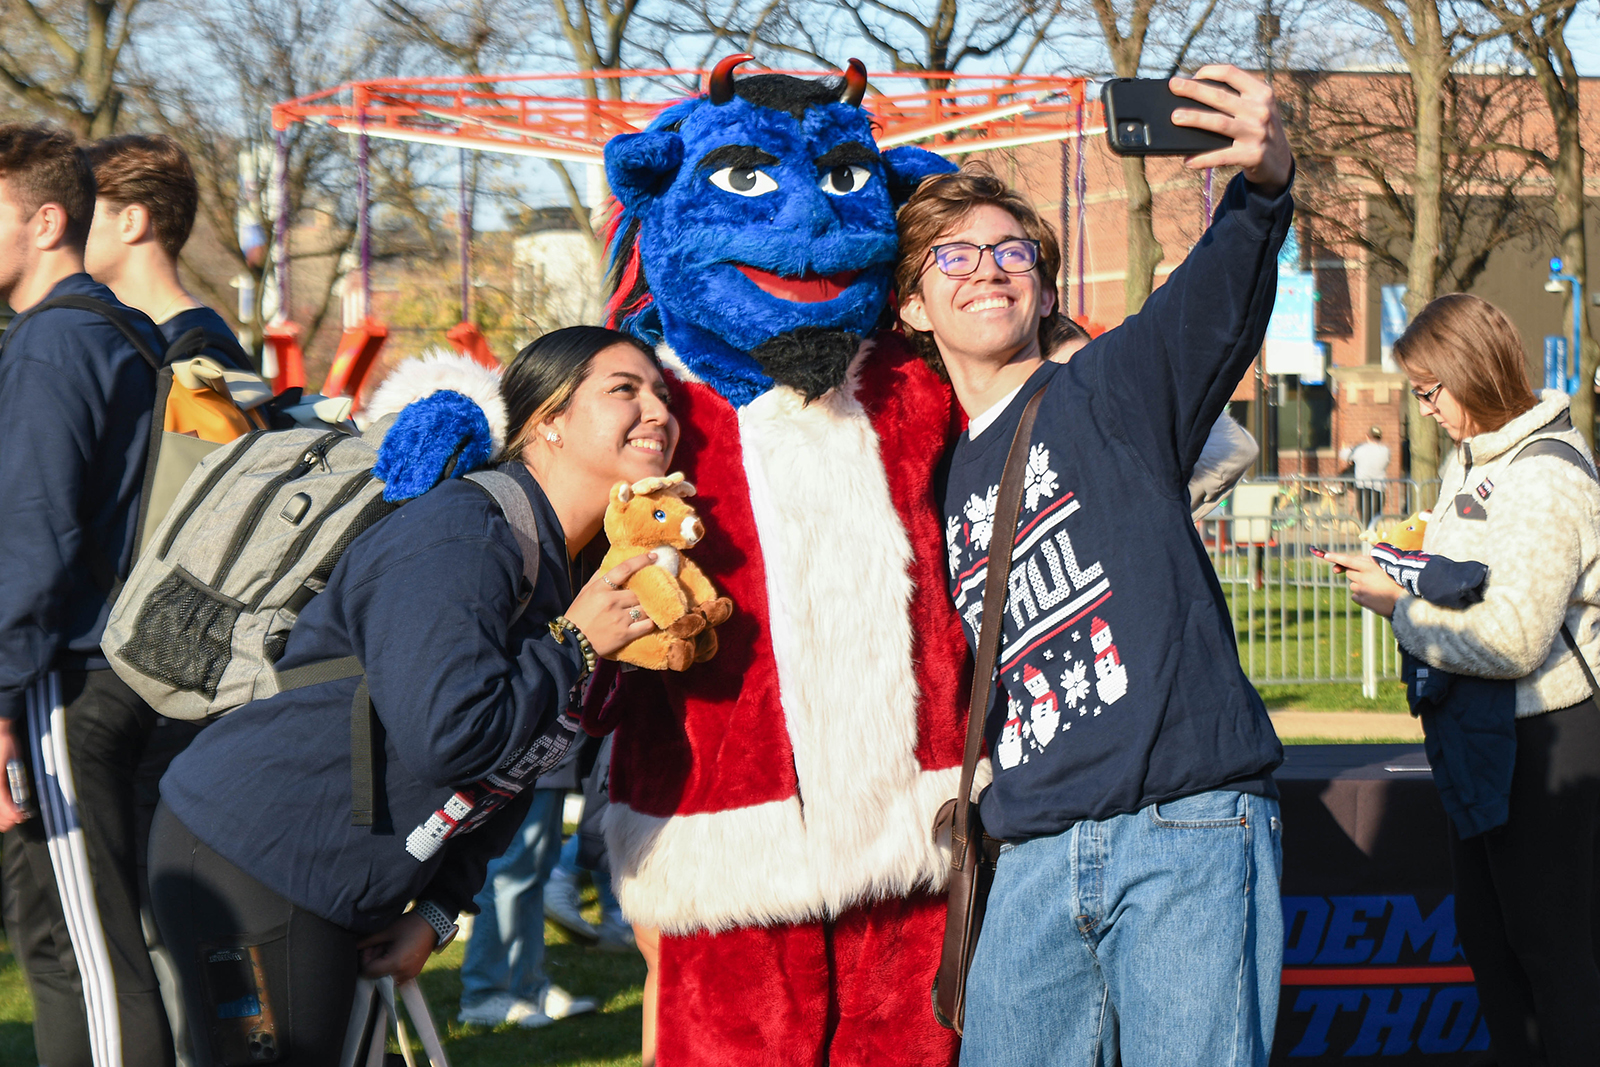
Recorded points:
253,855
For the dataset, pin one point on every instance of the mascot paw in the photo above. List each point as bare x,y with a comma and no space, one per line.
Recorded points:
705,645
688,625
716,611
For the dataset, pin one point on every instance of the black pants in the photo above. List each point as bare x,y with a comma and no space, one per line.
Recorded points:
1527,907
221,925
107,727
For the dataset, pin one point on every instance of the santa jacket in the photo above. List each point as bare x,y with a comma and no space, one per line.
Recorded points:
799,771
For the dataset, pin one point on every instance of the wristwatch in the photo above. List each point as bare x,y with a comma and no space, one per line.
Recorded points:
444,927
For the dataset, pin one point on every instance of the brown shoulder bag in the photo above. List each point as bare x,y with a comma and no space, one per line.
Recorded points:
972,852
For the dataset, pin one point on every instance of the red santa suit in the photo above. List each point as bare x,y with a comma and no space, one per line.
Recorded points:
772,809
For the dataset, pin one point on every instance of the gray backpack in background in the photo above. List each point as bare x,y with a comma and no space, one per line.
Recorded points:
252,537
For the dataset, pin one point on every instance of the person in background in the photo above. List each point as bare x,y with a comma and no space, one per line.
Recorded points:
503,978
1229,450
1519,495
585,853
145,202
1369,463
75,406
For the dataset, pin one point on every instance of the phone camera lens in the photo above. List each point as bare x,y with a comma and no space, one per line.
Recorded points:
1132,134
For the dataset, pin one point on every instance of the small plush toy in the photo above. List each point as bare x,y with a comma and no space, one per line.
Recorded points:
652,516
1407,536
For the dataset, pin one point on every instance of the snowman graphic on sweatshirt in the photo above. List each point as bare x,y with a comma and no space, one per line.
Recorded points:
1111,677
1009,750
1045,714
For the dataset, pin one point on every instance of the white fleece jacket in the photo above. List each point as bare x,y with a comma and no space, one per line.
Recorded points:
1536,524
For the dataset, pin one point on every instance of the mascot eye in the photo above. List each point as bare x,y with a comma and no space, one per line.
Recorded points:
659,515
845,178
746,181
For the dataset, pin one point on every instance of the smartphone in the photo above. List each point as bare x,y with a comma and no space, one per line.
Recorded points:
1139,119
243,1029
21,791
1320,553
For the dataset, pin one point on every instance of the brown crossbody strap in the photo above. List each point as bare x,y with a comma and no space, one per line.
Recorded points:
996,583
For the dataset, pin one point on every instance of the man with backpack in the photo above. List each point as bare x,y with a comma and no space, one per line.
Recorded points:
145,200
76,400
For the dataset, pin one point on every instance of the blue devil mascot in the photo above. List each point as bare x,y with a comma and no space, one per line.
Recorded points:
772,808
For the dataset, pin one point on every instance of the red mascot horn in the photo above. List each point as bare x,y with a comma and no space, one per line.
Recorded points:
720,85
855,83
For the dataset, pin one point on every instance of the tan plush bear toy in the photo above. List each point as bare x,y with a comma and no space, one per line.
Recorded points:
652,516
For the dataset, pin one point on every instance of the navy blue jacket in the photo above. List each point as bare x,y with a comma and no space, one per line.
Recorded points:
424,600
75,408
206,319
1120,680
1469,730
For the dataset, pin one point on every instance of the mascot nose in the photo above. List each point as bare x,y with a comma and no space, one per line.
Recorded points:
692,530
805,211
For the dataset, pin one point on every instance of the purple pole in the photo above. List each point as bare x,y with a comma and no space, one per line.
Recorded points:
364,209
280,239
464,218
1066,226
1083,191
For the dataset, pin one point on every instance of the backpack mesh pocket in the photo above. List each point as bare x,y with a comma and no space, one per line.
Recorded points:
183,636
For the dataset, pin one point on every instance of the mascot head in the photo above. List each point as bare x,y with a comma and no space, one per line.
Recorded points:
756,234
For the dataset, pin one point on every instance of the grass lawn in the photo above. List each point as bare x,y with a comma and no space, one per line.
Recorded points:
609,1038
1333,696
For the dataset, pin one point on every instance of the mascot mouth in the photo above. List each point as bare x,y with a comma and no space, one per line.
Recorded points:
806,289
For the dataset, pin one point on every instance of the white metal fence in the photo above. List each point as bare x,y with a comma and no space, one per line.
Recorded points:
1292,615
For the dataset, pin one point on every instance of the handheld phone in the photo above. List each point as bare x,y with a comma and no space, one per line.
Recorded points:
1139,119
243,1028
21,791
1320,553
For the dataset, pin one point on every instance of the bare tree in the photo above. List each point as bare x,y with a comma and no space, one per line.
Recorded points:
265,51
63,59
1538,33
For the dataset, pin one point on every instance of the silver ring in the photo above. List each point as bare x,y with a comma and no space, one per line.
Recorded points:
607,579
635,614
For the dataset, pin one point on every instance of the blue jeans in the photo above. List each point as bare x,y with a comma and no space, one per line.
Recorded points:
506,952
1158,933
568,864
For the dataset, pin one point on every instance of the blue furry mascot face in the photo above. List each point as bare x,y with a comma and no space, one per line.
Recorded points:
757,231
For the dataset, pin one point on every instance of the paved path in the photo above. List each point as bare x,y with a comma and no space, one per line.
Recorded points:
1347,725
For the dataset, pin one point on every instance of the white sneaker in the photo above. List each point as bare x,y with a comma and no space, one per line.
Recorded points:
501,1008
562,908
615,935
559,1004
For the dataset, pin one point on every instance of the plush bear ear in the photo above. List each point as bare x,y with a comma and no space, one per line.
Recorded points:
640,166
622,493
908,165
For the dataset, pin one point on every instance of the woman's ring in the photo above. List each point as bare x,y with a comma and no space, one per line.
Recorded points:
607,579
635,614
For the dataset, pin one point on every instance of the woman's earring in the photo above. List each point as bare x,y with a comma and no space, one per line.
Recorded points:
553,437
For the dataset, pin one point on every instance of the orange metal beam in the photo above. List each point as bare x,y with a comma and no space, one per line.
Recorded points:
527,114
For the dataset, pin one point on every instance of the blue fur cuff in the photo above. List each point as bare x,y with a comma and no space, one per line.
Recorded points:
442,435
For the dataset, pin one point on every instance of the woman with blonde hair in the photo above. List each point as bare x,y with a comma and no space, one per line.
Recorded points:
1518,494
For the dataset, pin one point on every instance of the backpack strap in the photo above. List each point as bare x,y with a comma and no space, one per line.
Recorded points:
514,506
199,340
111,314
1567,453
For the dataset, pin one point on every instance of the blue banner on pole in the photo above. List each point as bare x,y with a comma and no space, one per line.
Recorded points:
1555,364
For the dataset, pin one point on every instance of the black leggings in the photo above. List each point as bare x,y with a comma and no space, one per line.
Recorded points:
225,929
1527,907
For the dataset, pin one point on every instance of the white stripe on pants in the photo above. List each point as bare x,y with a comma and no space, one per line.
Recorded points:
58,804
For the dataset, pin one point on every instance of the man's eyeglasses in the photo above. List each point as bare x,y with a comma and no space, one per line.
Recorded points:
959,259
1427,398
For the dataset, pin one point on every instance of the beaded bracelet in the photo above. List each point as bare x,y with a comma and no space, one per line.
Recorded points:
560,626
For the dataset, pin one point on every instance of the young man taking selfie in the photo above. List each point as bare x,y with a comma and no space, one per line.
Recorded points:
1135,907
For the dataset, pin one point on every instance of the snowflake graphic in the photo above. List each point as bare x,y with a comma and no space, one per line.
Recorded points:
1075,683
980,511
1040,480
952,532
1049,654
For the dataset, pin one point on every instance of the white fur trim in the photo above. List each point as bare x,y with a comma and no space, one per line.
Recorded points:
768,863
669,359
838,591
437,369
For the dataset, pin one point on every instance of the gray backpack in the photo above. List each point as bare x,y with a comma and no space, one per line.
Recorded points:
252,537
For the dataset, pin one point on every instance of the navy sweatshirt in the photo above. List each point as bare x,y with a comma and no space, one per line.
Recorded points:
206,319
1119,679
423,599
75,406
